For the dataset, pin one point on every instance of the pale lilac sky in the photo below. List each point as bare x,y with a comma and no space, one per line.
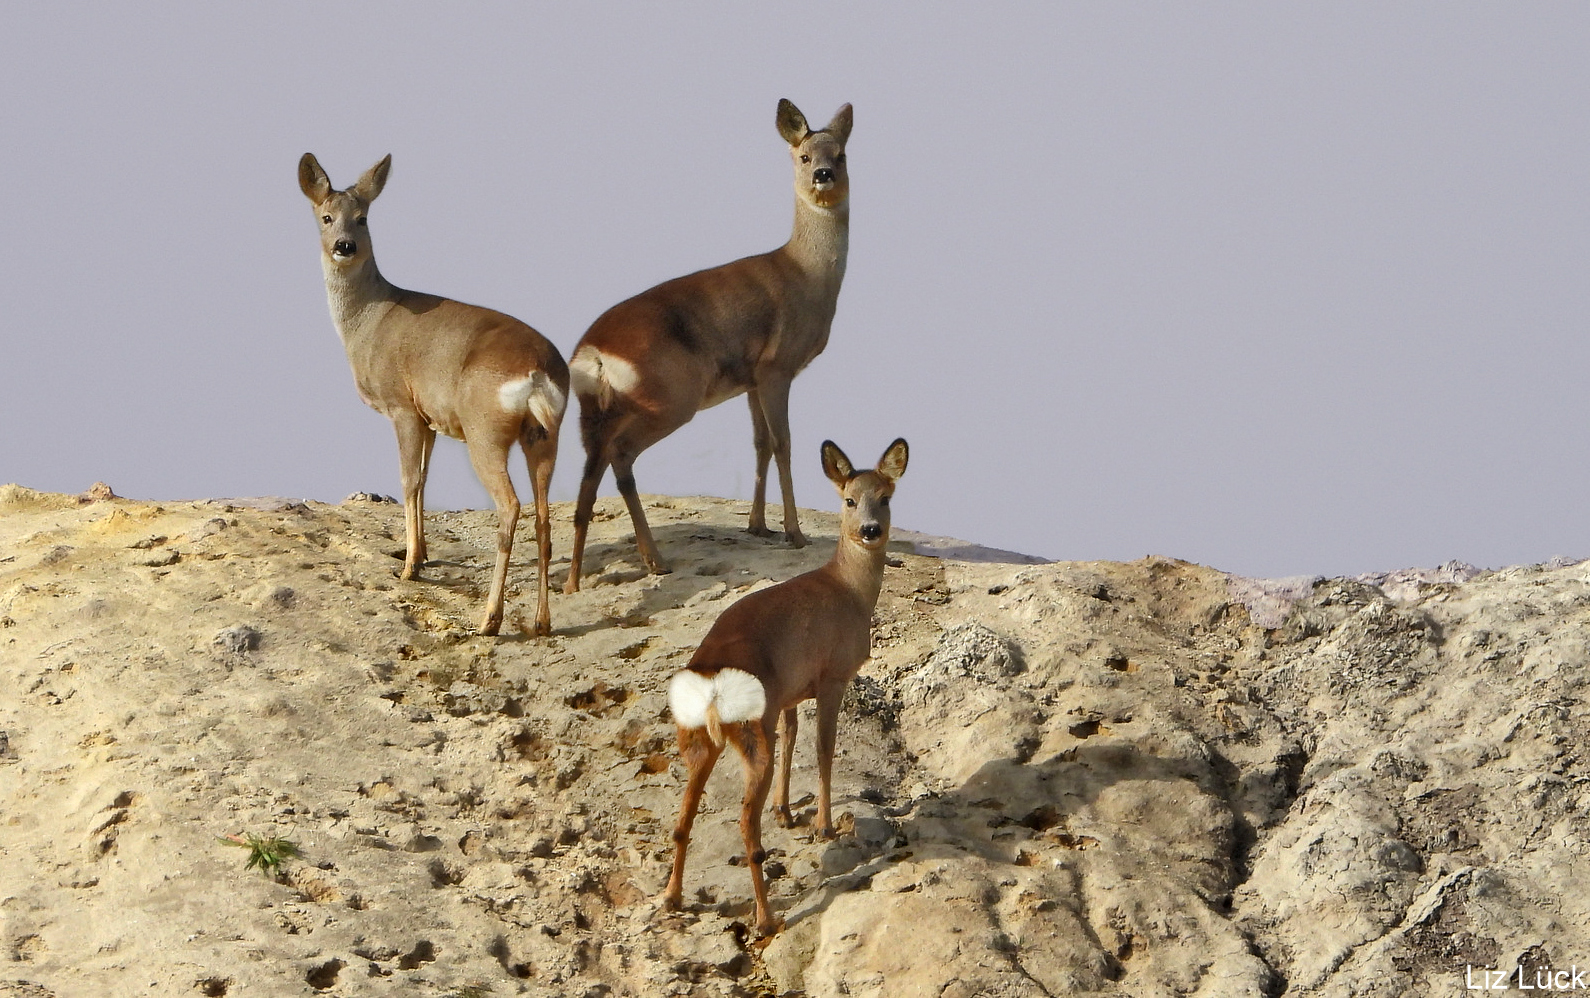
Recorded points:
1277,288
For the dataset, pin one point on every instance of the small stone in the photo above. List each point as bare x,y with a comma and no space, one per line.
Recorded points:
209,528
895,879
717,949
840,859
98,492
873,831
238,640
418,841
542,847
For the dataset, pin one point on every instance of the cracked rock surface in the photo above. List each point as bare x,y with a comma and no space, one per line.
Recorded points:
1059,778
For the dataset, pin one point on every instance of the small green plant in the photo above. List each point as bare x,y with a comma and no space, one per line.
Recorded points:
471,991
264,851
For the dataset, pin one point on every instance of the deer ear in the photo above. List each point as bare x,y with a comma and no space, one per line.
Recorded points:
892,464
839,128
791,123
836,465
369,185
312,180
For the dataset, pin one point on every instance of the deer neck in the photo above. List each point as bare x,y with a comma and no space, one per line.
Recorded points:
859,570
820,242
358,296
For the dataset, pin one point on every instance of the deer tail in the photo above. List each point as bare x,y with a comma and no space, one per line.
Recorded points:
537,394
714,726
728,696
598,377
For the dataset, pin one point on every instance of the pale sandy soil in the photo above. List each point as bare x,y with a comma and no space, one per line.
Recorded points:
1054,778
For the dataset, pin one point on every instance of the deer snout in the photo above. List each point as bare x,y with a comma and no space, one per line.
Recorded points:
871,531
822,175
344,247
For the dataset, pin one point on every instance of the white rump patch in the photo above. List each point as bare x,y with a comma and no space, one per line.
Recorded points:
738,694
585,371
515,395
689,696
536,393
594,374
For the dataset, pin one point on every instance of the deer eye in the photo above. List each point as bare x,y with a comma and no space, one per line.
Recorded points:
325,219
850,502
361,220
805,158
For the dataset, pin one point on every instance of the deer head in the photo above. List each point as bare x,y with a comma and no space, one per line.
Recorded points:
821,178
344,232
865,517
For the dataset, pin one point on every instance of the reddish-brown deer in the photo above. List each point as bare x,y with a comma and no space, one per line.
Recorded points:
800,639
649,364
433,365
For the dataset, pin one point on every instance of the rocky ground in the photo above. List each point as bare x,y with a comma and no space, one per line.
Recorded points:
1053,778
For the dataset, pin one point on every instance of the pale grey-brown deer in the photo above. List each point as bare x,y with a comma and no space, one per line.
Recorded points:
800,639
433,365
649,364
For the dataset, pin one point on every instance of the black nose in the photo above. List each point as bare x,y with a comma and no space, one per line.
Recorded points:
822,175
871,531
345,247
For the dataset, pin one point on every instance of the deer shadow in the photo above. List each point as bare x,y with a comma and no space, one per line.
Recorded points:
1009,805
703,550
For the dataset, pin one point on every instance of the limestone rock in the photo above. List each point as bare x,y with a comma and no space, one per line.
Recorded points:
1142,779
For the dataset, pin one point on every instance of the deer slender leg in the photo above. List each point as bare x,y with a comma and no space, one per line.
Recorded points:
595,466
828,700
414,447
541,460
623,471
764,453
699,755
789,723
490,459
425,476
755,742
775,409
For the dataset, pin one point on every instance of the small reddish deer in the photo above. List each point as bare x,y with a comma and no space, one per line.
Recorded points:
803,638
649,364
431,364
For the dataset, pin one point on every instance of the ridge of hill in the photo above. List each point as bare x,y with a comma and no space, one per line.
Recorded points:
1052,778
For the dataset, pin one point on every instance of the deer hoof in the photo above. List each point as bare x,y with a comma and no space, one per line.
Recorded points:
759,530
543,628
826,833
768,926
783,817
491,625
795,538
660,568
571,586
